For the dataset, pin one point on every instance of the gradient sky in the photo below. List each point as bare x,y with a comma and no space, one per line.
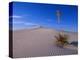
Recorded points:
32,14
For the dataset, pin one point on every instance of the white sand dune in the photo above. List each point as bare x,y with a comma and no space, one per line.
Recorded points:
39,42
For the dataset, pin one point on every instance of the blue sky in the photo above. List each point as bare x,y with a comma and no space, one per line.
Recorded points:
31,14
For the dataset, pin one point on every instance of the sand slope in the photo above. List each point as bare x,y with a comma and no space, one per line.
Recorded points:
39,42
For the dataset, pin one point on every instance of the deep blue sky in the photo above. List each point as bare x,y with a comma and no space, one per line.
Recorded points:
45,15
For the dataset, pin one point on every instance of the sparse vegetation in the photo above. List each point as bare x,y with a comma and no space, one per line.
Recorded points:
74,43
62,40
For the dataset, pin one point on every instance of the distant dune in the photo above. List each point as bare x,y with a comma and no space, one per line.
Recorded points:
39,42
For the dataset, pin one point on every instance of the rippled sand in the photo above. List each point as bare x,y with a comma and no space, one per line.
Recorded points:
40,42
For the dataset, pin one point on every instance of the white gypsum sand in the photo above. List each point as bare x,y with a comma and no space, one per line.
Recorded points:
39,42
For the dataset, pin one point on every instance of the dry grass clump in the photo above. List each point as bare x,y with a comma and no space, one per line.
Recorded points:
61,40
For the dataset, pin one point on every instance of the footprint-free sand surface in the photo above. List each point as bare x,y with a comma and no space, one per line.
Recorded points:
40,42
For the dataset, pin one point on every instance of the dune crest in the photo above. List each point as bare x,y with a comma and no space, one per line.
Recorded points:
39,42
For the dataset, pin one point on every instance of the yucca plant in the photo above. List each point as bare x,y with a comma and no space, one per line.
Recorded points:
62,40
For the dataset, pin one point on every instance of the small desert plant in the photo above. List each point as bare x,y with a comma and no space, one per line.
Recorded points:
62,40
